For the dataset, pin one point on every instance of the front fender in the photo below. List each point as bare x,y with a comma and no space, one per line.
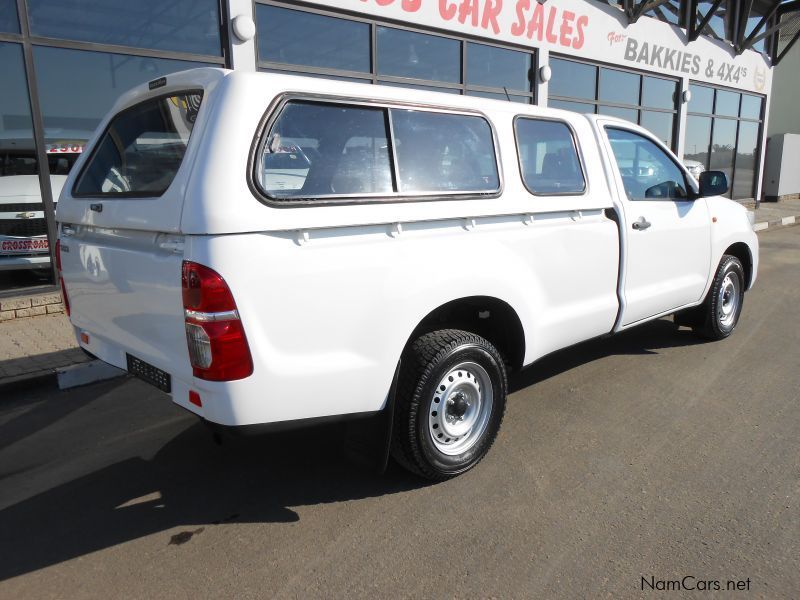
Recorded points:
730,225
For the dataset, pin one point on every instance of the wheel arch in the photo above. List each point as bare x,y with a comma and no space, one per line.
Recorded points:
490,317
742,251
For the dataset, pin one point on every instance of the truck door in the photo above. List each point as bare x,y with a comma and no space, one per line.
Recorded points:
666,234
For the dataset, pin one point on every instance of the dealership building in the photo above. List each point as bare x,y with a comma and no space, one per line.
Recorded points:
698,74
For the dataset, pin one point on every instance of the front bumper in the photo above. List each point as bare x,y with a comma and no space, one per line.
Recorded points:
15,263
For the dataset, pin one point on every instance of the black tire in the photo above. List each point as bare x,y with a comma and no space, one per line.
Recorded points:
426,363
729,284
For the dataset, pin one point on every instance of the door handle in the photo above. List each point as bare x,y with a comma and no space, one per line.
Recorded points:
641,224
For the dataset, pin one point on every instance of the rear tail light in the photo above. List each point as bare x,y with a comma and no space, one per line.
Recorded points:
64,296
218,348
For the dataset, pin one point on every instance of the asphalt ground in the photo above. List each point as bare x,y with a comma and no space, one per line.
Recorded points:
649,455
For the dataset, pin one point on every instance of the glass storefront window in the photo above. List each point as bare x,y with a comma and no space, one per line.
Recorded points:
426,88
723,143
746,153
388,55
660,124
751,107
622,89
736,157
283,36
71,114
72,117
9,21
179,25
498,67
629,114
500,96
572,79
418,55
727,104
698,139
659,93
579,107
24,251
619,86
702,100
317,75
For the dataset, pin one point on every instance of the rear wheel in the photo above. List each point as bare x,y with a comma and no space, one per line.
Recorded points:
724,302
450,402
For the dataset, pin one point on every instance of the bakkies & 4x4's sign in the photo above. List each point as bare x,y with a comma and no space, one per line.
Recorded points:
581,28
684,62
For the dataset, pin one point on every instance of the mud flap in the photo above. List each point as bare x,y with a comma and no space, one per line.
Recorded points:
368,441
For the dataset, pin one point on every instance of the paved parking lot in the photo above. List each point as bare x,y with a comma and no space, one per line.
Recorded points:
650,455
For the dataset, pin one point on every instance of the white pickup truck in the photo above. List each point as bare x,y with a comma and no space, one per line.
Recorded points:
278,250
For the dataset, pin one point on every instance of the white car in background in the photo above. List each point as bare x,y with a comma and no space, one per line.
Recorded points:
23,227
694,167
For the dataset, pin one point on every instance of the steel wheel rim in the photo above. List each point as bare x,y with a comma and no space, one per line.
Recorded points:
460,408
728,300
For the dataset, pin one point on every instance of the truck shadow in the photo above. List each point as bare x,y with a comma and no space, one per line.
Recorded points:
192,485
644,339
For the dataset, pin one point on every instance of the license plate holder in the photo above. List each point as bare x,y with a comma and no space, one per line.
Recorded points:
147,372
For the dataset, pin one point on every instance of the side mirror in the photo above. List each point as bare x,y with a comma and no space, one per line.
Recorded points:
713,183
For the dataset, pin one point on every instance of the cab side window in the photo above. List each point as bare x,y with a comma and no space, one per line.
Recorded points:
548,158
648,173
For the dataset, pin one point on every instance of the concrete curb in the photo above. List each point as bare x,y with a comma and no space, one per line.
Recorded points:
86,373
63,378
783,222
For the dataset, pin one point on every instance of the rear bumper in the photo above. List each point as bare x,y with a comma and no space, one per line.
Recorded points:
254,404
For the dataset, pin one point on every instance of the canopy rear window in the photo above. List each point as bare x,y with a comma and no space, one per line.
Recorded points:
142,148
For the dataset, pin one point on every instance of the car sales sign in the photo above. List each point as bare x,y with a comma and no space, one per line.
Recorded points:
582,28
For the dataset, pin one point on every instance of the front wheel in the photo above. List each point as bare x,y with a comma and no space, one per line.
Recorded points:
724,302
451,398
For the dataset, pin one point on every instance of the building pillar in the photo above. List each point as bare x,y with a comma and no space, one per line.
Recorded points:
541,87
241,53
683,108
759,168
